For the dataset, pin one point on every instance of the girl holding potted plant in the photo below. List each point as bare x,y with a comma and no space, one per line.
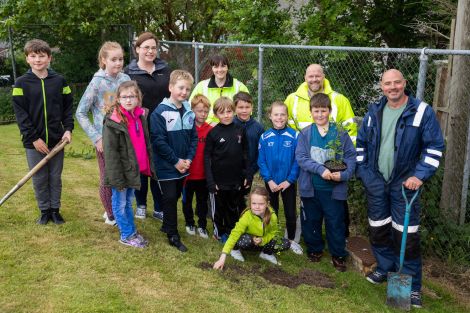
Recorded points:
322,191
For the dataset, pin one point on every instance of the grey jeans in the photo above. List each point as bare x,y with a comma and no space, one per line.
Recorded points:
47,182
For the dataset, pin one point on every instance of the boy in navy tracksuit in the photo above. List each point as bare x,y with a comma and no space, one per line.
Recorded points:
243,108
227,172
174,142
42,101
278,167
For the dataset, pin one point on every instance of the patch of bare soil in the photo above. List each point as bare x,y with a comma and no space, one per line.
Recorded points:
276,275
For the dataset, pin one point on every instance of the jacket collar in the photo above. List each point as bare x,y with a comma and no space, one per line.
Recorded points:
134,69
228,82
411,105
168,103
50,73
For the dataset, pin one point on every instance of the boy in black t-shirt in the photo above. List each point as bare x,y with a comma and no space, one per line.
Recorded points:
227,171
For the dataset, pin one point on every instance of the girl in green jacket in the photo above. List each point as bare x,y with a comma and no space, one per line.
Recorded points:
256,230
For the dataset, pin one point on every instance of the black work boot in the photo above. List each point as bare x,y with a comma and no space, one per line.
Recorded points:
56,217
44,218
175,241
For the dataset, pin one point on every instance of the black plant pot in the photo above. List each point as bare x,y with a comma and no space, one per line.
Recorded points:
335,166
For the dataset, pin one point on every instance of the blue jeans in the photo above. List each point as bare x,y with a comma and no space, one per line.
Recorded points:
123,212
313,210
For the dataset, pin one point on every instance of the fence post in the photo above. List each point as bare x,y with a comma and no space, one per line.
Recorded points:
12,52
260,83
423,68
196,63
130,39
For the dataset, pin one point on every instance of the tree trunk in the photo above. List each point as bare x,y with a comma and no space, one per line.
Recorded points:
455,184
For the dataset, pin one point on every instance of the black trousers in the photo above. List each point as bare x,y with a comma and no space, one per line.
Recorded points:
246,243
289,201
226,206
198,187
171,191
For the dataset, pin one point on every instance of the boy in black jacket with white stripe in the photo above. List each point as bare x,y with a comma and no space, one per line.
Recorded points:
227,172
42,101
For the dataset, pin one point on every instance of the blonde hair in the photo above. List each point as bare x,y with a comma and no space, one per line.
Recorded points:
200,98
222,104
261,191
177,75
104,52
276,103
131,84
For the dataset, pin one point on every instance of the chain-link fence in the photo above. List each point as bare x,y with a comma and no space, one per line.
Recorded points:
440,77
272,72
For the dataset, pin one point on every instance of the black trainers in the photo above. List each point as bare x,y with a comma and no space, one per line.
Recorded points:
158,215
44,218
56,217
315,256
176,242
376,278
416,301
339,263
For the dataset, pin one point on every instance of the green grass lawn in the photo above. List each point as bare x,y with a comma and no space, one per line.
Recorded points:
81,267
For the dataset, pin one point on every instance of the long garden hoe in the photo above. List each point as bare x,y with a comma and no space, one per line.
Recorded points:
399,284
34,170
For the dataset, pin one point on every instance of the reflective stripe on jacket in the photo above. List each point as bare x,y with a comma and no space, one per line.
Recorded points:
418,143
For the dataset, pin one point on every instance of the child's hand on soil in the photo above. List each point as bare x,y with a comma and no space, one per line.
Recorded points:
220,263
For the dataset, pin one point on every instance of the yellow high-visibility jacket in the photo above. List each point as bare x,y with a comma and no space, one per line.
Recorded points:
210,89
298,105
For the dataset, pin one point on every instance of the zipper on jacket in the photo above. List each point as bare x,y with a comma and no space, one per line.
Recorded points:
45,110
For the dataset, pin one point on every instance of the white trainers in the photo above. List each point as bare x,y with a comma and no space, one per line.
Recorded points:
202,232
268,257
237,255
110,222
105,215
191,230
141,212
296,248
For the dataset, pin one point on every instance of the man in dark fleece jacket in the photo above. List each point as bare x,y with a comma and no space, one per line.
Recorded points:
227,171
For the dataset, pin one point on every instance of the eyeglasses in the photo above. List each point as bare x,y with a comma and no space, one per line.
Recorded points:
148,48
125,98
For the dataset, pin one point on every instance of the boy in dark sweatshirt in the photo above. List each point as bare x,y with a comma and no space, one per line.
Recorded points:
42,101
227,170
243,109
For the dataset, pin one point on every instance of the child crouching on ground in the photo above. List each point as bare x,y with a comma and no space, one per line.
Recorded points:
322,192
256,230
127,154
